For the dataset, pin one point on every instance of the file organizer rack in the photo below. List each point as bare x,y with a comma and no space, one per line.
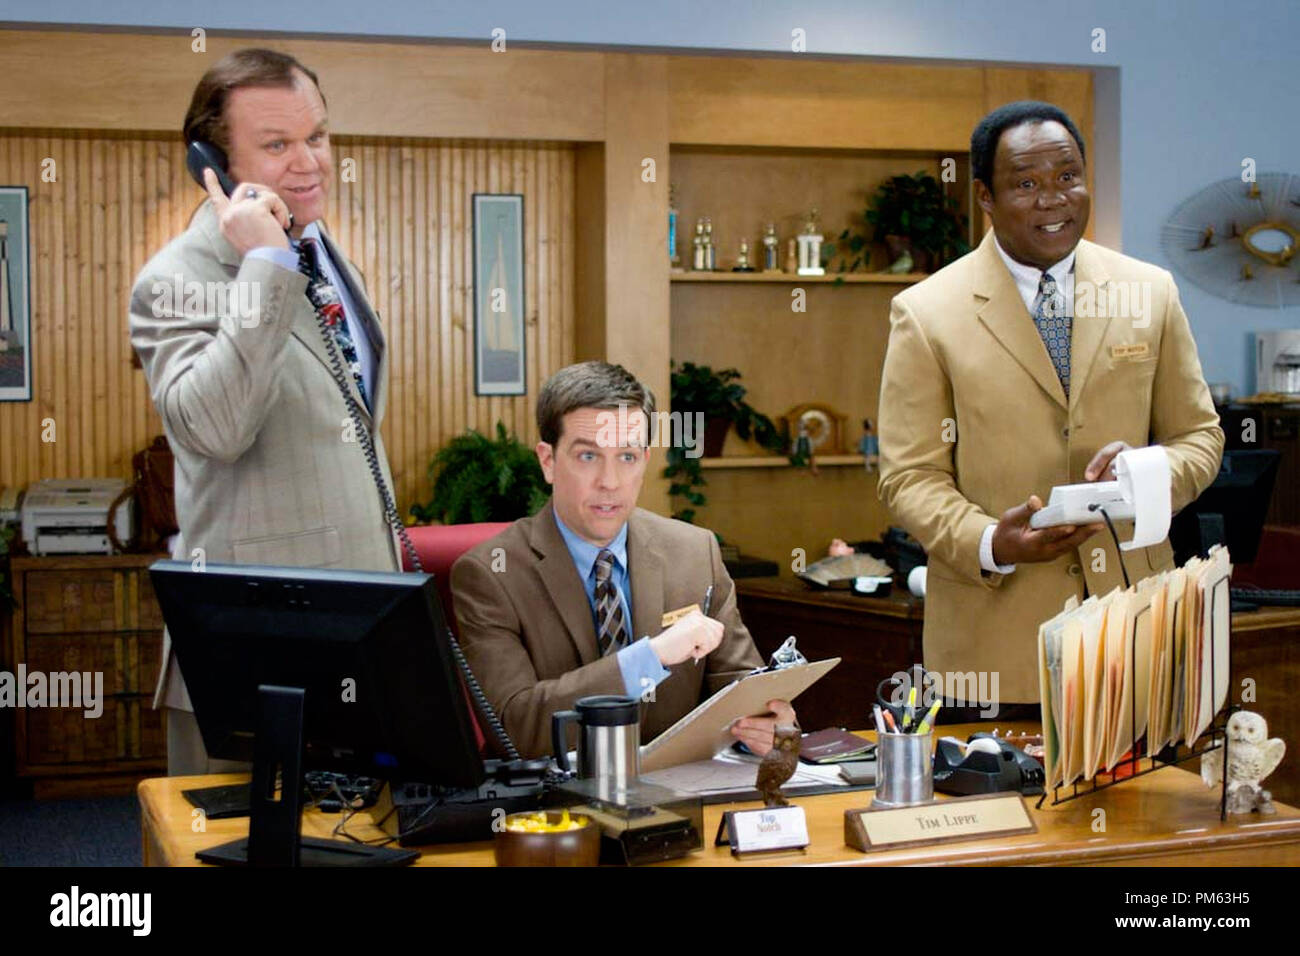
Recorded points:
1131,767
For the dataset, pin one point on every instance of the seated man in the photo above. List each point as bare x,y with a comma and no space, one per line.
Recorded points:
572,601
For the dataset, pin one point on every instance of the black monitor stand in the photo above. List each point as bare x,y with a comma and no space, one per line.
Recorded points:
275,825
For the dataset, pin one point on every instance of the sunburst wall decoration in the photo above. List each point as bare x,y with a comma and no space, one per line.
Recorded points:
1238,240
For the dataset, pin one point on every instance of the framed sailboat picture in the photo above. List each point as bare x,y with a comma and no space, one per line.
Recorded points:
15,297
499,294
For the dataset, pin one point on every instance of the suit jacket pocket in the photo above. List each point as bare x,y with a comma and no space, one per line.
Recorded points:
318,548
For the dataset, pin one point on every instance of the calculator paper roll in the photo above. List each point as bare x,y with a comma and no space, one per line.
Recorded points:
1143,475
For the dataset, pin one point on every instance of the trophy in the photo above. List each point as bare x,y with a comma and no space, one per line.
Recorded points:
810,248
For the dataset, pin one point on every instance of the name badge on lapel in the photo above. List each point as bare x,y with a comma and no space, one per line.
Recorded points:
1137,350
672,617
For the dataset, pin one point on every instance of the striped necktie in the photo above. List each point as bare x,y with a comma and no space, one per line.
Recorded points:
611,629
1053,322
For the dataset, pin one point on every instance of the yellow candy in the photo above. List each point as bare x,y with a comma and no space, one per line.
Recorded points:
538,823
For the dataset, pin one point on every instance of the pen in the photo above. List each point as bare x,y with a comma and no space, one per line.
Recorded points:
880,721
708,599
910,710
924,726
889,719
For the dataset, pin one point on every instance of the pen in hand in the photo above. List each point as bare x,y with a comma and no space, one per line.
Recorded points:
708,598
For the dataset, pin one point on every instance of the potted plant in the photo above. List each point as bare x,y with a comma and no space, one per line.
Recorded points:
718,396
476,478
912,215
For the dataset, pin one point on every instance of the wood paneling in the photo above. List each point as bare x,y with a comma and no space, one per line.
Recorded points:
794,101
134,82
405,221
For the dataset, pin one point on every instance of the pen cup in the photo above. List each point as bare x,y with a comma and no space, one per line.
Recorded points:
904,769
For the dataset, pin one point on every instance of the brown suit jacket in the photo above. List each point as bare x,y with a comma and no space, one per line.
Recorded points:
973,419
530,637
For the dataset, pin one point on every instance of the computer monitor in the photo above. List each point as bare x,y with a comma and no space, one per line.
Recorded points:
1231,511
342,670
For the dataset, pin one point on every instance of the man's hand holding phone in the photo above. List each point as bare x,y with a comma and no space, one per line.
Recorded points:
252,217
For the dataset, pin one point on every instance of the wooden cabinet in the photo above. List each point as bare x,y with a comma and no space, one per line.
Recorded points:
86,627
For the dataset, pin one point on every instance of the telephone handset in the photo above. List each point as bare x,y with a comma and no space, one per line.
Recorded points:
201,156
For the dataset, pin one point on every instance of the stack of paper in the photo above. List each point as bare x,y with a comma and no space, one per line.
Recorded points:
1151,660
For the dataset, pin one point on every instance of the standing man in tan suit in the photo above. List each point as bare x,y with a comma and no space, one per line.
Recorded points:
574,600
1030,363
270,464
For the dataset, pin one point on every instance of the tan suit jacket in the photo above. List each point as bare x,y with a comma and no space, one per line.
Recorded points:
266,470
530,636
966,361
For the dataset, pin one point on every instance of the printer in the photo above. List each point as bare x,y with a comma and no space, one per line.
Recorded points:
71,515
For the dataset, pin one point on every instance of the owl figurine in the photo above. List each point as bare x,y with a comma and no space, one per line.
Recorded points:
1252,756
779,764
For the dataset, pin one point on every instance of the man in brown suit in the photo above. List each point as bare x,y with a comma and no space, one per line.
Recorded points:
564,604
995,390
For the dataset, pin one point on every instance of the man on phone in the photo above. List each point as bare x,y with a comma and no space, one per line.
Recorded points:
264,357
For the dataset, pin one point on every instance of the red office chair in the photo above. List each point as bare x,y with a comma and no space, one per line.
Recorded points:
438,547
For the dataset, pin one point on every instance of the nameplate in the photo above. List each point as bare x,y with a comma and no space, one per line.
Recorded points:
939,821
768,828
1136,350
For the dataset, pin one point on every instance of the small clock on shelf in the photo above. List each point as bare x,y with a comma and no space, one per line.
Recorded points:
822,425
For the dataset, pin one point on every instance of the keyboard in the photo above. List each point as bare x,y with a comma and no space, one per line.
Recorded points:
1247,599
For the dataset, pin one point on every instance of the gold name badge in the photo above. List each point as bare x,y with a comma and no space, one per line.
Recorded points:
672,617
1136,350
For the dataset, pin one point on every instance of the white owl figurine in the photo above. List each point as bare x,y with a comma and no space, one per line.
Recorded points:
1252,756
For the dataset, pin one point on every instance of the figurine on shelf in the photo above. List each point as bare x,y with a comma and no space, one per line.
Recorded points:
902,265
869,446
699,258
742,260
802,446
1252,756
771,249
791,257
710,250
674,260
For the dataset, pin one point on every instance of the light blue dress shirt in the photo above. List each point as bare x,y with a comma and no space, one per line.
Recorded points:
638,663
288,258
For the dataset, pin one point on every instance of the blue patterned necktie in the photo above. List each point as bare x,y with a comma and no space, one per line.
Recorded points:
611,629
329,306
1054,326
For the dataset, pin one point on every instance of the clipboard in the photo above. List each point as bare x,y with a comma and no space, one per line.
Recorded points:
706,730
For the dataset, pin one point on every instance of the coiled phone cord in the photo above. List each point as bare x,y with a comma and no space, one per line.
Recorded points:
394,521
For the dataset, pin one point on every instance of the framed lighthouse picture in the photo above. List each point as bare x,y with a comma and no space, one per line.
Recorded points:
499,294
15,297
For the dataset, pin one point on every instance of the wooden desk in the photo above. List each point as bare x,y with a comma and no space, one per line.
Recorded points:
1167,818
875,637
